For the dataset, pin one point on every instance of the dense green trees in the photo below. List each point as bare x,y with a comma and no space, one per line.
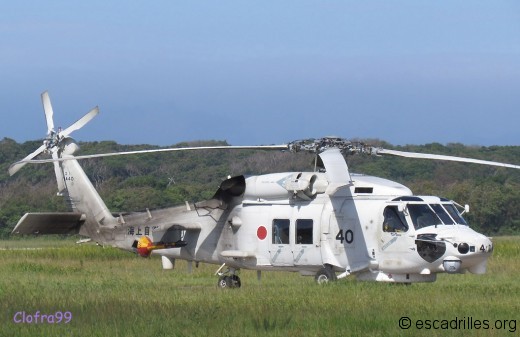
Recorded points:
134,183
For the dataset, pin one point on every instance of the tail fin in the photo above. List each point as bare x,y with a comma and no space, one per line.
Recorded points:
83,197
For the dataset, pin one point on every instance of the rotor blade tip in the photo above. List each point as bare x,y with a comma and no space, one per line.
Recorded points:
15,168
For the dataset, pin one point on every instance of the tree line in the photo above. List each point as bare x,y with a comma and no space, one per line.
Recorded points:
133,183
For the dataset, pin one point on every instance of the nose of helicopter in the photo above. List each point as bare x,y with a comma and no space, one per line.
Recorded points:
469,251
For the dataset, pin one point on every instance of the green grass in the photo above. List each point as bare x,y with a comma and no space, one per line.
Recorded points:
115,293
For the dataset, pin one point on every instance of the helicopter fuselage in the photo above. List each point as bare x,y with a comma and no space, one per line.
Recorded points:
373,228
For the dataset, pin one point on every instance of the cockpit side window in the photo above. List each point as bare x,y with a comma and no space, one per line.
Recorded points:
455,214
393,220
423,216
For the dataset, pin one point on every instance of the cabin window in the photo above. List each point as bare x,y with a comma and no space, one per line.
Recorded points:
394,221
304,231
281,231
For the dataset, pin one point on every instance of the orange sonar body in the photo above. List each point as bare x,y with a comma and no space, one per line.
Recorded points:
145,246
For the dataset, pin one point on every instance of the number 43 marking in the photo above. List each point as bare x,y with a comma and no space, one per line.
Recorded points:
348,237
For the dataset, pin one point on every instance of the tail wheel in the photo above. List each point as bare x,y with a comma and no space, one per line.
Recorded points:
325,275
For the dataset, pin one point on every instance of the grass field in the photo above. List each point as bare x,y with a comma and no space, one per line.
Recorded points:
107,292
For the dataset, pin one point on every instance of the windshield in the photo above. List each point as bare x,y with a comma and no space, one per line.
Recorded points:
454,213
423,216
442,214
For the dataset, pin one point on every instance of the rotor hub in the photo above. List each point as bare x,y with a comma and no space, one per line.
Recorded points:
52,140
319,145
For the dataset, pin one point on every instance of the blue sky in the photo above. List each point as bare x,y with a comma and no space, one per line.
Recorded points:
263,72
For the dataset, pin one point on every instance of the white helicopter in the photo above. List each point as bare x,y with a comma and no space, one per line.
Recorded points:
328,223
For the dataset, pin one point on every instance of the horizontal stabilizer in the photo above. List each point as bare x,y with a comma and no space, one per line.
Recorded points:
49,223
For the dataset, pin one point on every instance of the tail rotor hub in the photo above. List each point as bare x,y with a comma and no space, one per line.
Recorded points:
54,141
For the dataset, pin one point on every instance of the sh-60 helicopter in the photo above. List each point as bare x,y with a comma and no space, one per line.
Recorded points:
328,223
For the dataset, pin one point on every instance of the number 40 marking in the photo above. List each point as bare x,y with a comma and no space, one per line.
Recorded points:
348,237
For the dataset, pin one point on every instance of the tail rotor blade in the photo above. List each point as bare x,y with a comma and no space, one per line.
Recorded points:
47,108
18,165
80,122
59,174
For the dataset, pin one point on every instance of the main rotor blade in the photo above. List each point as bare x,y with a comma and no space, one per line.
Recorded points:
100,155
47,109
80,122
335,166
18,165
442,157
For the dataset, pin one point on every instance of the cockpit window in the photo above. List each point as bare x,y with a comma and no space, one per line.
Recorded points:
423,216
441,213
394,221
455,214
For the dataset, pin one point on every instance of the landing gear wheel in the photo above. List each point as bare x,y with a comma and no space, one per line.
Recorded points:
228,278
235,281
325,275
225,282
232,281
